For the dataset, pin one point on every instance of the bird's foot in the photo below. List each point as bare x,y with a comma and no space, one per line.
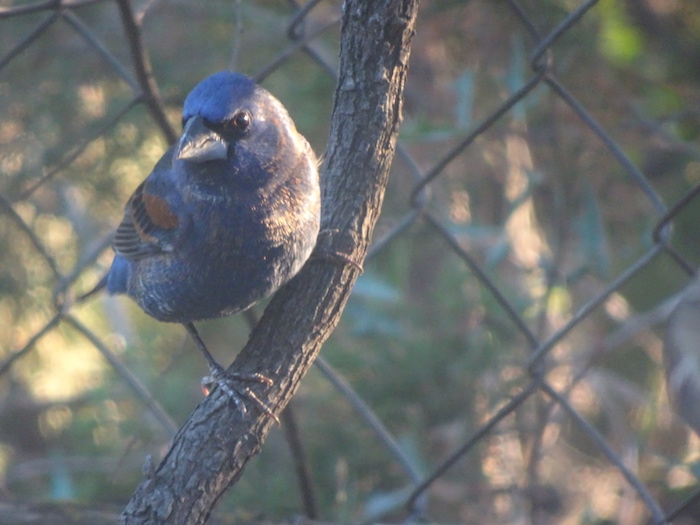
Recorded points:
326,252
219,376
225,380
340,258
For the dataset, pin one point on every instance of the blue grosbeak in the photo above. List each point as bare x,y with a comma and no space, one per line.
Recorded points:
227,216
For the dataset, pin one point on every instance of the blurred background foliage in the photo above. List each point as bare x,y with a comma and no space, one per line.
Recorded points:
537,200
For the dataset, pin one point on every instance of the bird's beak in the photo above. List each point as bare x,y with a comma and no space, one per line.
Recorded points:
199,143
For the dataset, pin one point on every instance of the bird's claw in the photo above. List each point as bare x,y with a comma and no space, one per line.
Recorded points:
326,252
218,376
341,258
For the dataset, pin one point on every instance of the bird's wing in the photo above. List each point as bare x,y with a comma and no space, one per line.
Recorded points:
148,226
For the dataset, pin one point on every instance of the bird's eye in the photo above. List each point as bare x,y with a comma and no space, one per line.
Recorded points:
239,122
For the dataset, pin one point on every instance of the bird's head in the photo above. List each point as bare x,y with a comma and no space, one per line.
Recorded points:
228,117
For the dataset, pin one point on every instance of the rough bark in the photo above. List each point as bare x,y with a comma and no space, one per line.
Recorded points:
209,452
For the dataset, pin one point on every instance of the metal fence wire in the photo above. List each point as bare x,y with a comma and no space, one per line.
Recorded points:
501,358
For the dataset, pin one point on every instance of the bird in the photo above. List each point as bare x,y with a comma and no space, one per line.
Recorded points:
227,216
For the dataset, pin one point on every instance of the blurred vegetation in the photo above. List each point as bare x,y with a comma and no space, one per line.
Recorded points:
537,200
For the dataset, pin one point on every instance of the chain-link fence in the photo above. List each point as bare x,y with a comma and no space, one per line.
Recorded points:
504,344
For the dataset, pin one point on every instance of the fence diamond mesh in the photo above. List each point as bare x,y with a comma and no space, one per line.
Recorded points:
501,359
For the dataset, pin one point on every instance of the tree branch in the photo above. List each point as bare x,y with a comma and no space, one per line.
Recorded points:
210,451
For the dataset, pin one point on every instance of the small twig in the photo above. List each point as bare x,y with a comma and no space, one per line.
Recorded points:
301,463
144,72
